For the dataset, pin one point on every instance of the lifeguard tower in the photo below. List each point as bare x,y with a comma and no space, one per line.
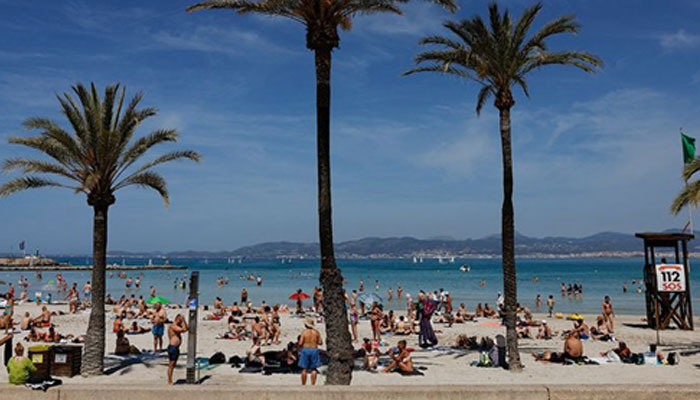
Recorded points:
667,280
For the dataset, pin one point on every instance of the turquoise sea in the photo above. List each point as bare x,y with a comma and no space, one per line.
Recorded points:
599,277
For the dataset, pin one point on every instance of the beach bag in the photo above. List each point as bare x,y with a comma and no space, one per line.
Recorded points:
673,358
217,358
493,357
484,359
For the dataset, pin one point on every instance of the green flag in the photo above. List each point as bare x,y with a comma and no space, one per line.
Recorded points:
688,148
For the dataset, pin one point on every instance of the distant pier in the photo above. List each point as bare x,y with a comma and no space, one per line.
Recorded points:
62,267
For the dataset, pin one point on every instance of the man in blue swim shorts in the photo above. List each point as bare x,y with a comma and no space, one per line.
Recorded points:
309,358
175,331
158,320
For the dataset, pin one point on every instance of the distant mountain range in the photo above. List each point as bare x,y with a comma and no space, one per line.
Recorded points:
604,244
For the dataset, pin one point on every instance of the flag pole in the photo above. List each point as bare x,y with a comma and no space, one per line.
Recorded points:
690,206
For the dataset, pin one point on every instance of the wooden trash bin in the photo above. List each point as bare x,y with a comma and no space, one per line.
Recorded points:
66,360
40,355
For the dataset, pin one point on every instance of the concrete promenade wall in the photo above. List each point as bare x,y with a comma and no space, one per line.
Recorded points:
471,392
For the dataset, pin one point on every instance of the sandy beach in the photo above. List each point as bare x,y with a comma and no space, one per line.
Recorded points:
441,367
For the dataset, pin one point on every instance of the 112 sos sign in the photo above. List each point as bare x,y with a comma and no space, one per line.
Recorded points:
670,277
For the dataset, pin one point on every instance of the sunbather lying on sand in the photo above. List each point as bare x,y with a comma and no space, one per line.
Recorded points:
573,350
136,329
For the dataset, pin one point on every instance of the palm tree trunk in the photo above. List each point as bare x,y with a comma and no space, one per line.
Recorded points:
338,341
510,287
93,359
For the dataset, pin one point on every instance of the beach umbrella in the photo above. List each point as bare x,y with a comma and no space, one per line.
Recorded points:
299,296
369,298
158,299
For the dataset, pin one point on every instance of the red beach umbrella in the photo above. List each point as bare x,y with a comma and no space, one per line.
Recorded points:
299,296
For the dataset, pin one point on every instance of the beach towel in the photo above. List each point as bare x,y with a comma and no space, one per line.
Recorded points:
489,324
415,372
42,384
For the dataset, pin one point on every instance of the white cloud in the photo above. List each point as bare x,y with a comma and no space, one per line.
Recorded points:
418,19
209,39
679,40
466,154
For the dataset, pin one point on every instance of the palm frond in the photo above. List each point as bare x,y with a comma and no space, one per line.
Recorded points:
691,169
368,7
142,145
443,41
484,94
283,8
29,166
690,195
29,182
445,69
149,180
525,23
169,157
51,130
585,61
48,146
565,24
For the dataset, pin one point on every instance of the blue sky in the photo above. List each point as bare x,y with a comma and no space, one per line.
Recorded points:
410,156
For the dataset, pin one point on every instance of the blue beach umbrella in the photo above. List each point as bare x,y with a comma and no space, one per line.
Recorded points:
369,298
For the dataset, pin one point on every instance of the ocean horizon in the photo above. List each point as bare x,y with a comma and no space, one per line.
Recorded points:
599,277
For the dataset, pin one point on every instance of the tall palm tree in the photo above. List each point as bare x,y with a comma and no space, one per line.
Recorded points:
499,56
96,159
690,195
322,18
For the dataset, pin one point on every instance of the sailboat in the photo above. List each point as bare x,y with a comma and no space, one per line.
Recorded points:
415,259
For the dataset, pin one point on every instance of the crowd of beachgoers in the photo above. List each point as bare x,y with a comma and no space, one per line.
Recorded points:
424,322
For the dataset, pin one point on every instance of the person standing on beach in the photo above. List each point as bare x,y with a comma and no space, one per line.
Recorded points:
389,294
158,321
608,314
175,331
87,291
399,292
153,291
426,308
550,304
244,296
354,319
538,302
309,357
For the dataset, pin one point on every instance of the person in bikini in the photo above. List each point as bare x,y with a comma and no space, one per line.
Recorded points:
608,314
175,331
401,359
372,354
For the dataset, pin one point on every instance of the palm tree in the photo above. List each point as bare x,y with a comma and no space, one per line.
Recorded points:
690,195
500,56
96,159
322,18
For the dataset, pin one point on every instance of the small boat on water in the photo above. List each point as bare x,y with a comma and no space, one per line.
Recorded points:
465,268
